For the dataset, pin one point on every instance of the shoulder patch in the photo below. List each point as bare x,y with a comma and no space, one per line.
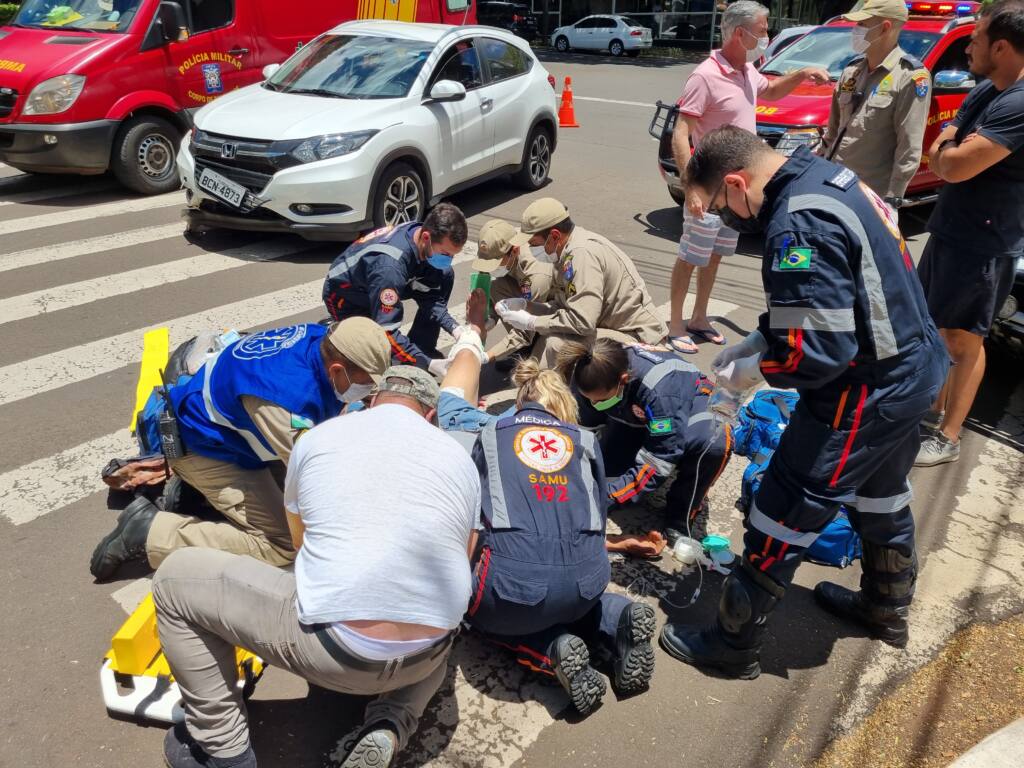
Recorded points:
301,422
388,297
921,84
797,258
843,180
660,426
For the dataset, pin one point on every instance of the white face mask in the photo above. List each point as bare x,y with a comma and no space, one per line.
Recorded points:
757,51
538,252
353,393
859,39
498,273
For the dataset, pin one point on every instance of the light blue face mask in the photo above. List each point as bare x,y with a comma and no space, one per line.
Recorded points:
441,261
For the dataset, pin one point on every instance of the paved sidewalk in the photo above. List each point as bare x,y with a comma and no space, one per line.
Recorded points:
1003,749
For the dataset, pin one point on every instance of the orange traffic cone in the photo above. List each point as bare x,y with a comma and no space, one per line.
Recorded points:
566,113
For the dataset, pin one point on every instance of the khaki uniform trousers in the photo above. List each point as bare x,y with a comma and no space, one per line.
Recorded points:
251,500
547,347
209,602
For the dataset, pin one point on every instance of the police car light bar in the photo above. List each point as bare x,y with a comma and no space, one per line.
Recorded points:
943,9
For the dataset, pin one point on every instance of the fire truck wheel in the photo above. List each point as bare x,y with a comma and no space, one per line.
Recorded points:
144,153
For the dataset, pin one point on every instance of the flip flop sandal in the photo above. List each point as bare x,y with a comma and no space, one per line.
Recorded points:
675,341
707,335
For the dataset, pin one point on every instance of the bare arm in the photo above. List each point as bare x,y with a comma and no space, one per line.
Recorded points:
685,125
968,158
474,537
296,528
784,85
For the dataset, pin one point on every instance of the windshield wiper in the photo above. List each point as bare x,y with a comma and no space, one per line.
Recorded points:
318,92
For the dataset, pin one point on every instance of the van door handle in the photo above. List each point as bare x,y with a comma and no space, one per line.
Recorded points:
238,51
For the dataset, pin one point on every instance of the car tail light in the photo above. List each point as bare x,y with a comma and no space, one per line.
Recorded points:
517,18
636,33
551,80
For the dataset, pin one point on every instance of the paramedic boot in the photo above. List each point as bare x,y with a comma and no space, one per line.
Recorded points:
182,751
375,748
883,602
571,660
634,656
733,644
126,542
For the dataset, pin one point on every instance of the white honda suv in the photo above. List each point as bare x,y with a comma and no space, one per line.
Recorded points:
368,125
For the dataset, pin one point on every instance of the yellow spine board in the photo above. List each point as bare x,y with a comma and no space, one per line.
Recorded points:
155,352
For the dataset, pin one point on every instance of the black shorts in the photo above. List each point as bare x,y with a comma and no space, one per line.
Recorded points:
964,288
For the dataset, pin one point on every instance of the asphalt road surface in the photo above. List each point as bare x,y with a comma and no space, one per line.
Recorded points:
86,268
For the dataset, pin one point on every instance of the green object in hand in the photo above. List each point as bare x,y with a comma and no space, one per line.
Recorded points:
482,280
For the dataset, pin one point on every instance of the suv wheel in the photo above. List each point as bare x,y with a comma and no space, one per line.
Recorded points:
144,155
562,43
399,198
616,48
533,173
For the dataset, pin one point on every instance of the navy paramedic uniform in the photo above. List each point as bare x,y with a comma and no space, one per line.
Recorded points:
542,568
374,275
847,326
659,430
282,366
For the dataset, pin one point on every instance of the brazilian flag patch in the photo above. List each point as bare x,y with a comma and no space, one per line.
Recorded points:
659,426
796,258
301,422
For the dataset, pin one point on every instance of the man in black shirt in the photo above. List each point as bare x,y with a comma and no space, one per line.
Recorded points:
977,227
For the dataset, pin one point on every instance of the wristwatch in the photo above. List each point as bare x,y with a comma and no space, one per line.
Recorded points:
946,143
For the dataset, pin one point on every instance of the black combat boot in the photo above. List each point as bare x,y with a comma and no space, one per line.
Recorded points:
634,656
182,751
733,643
126,542
883,602
571,660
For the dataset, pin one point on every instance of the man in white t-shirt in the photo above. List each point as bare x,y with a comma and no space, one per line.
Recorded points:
381,505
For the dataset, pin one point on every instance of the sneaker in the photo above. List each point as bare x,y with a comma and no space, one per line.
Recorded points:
374,749
634,656
931,422
182,751
937,449
571,660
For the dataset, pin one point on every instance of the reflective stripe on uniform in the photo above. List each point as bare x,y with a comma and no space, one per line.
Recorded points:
881,326
254,443
769,527
663,369
352,259
698,418
884,506
811,319
421,287
587,441
661,466
489,442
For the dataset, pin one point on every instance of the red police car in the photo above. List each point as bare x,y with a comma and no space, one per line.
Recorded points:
936,33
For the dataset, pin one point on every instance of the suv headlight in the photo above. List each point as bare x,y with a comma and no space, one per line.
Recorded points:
798,137
55,95
331,145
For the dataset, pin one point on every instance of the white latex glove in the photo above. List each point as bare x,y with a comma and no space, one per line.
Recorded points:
457,332
438,367
520,319
754,344
740,375
509,305
469,339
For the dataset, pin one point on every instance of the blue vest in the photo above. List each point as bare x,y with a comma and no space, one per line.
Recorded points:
543,492
282,366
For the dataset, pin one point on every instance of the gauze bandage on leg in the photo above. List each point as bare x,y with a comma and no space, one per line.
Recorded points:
469,339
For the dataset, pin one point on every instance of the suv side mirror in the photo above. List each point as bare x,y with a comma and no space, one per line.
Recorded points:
269,70
952,79
447,90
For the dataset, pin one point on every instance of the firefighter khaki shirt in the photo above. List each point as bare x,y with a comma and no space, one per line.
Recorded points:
876,124
596,286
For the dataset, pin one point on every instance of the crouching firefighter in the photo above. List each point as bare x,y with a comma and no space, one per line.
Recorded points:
374,275
658,433
541,569
238,419
866,359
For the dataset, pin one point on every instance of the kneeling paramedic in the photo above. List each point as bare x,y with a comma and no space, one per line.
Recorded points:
374,275
514,274
541,569
657,432
378,591
847,327
238,419
597,290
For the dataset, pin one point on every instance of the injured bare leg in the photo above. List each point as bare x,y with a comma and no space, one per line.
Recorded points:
465,358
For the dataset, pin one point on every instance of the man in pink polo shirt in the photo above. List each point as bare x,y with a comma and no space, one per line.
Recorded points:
722,90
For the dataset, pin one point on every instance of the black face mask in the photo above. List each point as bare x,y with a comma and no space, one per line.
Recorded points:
744,225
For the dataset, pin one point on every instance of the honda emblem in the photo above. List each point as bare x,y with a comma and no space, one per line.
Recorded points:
227,151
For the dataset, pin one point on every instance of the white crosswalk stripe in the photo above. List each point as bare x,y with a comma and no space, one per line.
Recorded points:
99,244
82,188
91,212
96,289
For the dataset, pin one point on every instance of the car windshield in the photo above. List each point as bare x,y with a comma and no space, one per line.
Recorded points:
91,15
829,47
352,67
